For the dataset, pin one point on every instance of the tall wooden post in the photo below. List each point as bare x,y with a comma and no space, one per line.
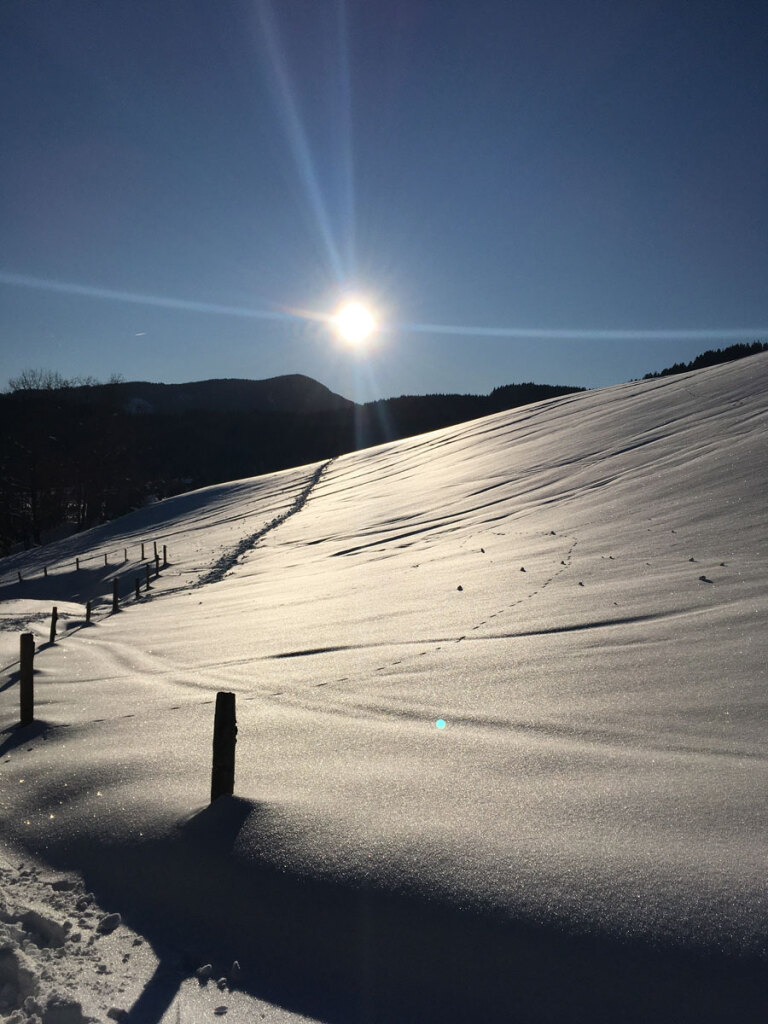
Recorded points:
26,678
105,558
138,585
115,597
142,551
45,570
224,740
157,564
54,617
77,564
19,575
165,556
87,612
146,570
125,554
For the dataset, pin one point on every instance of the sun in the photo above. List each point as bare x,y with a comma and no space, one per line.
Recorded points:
354,322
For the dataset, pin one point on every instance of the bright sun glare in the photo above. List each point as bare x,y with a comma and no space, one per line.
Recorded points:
354,322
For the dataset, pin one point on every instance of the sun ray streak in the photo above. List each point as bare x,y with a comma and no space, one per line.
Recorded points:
297,314
583,334
91,292
347,155
297,137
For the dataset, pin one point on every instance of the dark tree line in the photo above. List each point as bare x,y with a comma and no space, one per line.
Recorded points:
61,463
72,454
712,357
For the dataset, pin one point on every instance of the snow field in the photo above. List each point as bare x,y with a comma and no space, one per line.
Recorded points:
576,588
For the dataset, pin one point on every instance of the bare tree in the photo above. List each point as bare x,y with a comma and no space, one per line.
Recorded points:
38,380
52,380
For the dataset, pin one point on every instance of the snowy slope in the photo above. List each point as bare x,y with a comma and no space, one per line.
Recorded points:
576,589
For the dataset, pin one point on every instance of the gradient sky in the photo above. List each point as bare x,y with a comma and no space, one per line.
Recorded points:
179,180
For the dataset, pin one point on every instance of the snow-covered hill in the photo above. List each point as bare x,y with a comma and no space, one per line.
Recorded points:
502,730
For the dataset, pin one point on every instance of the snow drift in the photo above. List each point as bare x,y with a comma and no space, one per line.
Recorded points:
576,589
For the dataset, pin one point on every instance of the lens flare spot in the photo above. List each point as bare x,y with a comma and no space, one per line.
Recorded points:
440,723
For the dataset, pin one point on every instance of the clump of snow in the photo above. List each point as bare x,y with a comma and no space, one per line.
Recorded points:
204,972
108,923
43,948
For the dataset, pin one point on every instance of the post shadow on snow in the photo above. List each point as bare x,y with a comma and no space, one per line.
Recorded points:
73,626
159,992
217,833
13,678
345,952
17,735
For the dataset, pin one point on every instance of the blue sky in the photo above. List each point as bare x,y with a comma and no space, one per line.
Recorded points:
181,181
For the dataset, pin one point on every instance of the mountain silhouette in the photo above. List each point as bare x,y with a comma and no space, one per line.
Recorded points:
293,392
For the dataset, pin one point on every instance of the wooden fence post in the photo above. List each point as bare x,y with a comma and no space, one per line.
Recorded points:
105,558
157,564
54,617
115,598
45,570
87,612
26,678
224,740
125,554
138,585
146,569
77,564
165,556
19,575
142,551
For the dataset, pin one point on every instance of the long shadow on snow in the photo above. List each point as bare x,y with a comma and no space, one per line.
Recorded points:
77,586
348,953
17,735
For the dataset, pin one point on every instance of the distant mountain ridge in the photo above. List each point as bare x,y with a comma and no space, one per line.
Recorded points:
76,453
73,454
293,393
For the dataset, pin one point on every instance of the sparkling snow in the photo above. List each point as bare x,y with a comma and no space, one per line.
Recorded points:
501,697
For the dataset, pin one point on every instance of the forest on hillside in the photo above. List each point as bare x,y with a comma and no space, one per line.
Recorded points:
712,357
75,454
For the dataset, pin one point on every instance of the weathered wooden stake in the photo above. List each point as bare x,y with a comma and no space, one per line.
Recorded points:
45,570
224,740
142,551
157,564
146,569
105,558
115,597
165,556
154,544
26,678
138,585
77,564
54,617
20,579
125,554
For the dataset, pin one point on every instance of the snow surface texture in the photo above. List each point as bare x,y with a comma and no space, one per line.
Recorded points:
576,589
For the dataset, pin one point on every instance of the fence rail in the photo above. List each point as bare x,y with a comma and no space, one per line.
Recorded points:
109,557
225,720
